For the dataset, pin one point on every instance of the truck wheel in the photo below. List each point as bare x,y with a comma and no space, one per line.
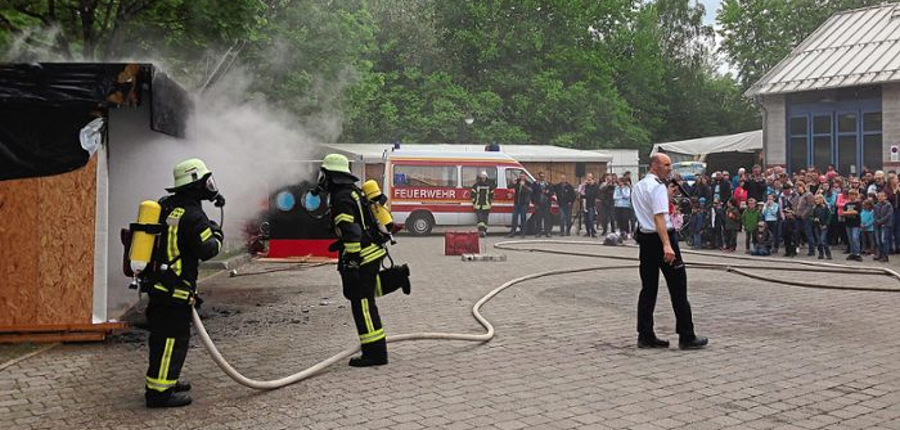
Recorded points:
420,223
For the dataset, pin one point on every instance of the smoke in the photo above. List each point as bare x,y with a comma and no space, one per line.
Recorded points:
252,149
34,44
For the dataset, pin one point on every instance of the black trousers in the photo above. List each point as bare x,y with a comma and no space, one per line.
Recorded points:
652,263
542,222
606,218
790,234
482,216
170,332
623,219
361,288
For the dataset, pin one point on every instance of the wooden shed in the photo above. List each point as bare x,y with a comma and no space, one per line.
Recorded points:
59,249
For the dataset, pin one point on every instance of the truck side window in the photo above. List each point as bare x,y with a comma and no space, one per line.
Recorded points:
424,176
512,175
470,174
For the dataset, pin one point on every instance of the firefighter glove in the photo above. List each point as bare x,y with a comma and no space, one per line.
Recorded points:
351,260
216,230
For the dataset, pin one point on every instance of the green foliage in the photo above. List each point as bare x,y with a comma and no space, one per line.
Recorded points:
575,73
88,30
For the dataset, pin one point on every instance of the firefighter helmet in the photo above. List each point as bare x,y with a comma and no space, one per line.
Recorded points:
336,163
188,172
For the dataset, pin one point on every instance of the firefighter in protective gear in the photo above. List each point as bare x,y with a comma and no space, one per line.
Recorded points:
186,238
360,255
482,197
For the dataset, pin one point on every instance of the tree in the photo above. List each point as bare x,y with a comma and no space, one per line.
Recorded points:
107,29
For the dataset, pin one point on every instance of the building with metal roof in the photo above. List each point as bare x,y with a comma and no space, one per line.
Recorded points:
835,99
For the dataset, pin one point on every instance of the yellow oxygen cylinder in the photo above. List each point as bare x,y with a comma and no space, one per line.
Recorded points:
373,192
141,241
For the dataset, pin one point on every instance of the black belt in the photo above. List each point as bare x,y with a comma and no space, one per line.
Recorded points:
671,230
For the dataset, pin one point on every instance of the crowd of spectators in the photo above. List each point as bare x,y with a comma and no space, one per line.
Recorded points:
808,211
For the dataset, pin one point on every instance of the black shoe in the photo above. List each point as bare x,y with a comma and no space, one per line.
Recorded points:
366,361
651,342
810,254
821,256
166,399
698,342
510,235
182,386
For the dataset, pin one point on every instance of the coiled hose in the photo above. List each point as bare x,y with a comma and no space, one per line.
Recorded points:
489,333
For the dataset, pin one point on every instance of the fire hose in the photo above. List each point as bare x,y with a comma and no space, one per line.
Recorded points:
740,269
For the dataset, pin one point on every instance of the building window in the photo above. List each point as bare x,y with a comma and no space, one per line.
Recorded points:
872,148
848,161
821,141
799,143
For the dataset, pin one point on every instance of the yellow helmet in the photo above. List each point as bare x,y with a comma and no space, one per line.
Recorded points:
336,163
189,171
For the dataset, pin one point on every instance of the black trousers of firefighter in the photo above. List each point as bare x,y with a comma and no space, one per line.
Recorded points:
170,331
361,287
482,217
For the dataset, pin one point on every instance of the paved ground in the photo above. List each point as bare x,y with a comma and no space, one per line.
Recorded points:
564,356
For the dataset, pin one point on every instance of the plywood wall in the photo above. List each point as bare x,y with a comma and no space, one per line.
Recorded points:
47,248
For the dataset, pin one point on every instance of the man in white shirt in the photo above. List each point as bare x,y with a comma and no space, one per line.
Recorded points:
659,251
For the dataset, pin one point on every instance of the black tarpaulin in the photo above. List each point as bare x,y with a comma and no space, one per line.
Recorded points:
44,106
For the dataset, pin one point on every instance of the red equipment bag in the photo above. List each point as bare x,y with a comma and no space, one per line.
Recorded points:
460,242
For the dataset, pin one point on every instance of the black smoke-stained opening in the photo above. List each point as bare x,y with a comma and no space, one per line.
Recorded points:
44,106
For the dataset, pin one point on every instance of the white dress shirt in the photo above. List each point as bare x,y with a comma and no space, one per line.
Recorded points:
650,197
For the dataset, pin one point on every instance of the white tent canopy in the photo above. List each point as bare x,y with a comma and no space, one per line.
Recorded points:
698,149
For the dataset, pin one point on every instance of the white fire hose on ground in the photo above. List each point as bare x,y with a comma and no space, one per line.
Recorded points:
740,269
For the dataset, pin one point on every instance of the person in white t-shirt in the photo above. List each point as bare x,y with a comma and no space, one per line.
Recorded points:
659,252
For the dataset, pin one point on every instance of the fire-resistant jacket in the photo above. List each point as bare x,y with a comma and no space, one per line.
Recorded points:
354,224
187,238
482,195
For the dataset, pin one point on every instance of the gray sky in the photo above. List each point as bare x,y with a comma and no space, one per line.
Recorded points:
711,7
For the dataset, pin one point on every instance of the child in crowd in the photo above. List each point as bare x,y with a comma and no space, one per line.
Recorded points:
762,240
732,225
850,211
716,225
821,217
750,218
698,221
884,227
867,228
770,216
677,217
